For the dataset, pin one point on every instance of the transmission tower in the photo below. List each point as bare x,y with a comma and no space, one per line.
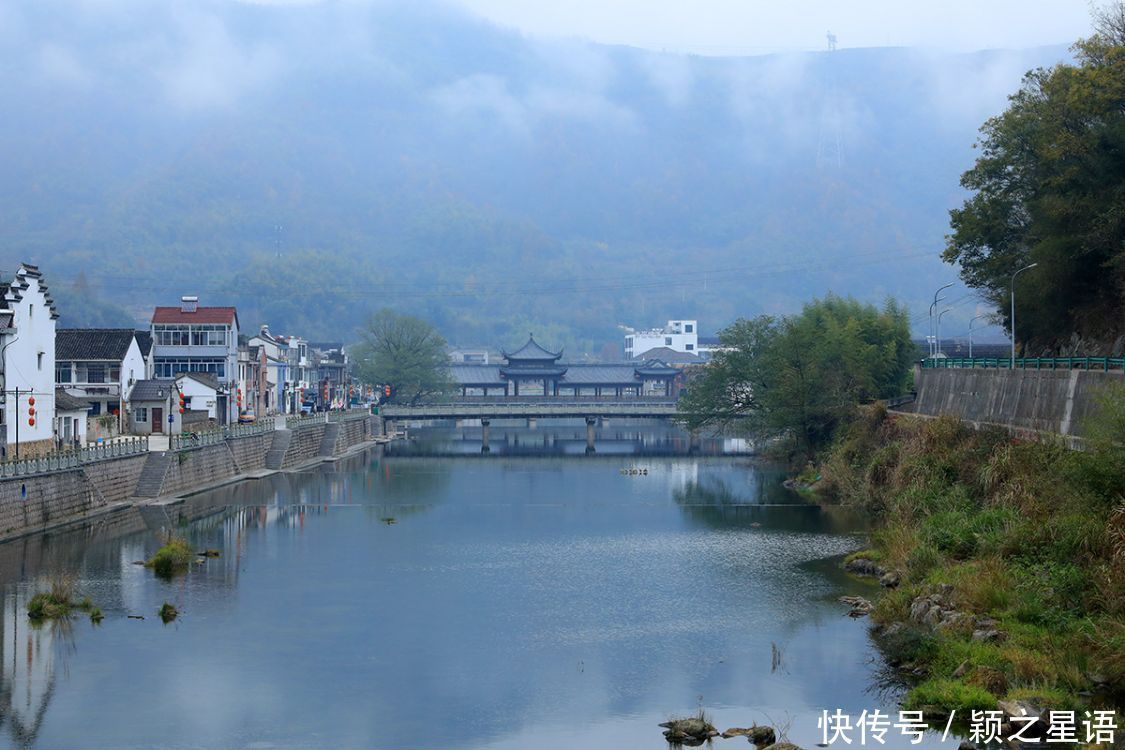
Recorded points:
830,144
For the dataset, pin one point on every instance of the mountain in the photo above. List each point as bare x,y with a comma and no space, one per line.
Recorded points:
311,163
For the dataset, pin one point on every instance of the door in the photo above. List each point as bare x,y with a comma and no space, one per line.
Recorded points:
157,419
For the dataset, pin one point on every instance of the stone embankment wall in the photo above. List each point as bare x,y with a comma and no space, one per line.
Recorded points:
115,479
250,452
39,501
34,502
1044,400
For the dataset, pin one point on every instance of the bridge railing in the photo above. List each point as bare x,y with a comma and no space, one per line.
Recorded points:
1029,363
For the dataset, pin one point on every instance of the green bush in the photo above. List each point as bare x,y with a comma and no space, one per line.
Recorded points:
174,557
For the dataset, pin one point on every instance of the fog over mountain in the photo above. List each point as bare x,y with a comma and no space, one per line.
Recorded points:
418,157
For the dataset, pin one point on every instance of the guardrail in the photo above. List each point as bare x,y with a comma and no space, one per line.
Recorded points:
245,430
72,459
343,415
1029,363
297,421
188,440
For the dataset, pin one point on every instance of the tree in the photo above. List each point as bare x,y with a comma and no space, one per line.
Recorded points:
406,353
1049,188
800,376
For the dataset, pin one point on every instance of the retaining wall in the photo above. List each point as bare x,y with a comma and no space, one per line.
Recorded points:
250,452
34,502
305,444
1046,400
116,478
195,467
39,501
352,433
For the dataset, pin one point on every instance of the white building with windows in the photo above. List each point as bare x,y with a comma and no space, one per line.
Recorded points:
98,366
190,338
27,365
678,335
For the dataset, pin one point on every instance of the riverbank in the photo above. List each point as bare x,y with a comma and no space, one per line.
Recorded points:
1003,562
57,497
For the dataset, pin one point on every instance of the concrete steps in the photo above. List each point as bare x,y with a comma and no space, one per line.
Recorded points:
151,482
275,458
328,442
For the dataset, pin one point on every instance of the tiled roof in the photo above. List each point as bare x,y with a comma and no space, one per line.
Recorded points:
577,374
205,378
92,343
151,390
144,341
65,402
531,350
667,355
202,315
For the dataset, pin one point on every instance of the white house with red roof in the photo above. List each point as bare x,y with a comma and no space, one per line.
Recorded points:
191,338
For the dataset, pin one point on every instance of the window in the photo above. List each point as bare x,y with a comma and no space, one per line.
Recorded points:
31,311
690,347
63,372
140,416
39,360
95,372
114,373
667,341
95,408
689,328
170,368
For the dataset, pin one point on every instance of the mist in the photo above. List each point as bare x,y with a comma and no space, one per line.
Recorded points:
314,162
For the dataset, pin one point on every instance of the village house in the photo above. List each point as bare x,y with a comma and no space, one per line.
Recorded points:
191,338
27,365
71,415
98,366
154,405
276,397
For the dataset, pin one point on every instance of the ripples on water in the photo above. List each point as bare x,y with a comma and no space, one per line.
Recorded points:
518,600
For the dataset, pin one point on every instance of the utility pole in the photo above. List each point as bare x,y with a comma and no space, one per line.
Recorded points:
1014,275
971,333
932,306
943,312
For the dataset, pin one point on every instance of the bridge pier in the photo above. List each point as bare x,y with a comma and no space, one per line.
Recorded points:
591,424
531,424
485,434
694,442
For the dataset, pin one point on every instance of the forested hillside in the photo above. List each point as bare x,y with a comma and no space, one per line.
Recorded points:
428,161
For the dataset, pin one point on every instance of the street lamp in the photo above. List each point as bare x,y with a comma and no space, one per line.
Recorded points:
971,333
1012,366
938,344
932,306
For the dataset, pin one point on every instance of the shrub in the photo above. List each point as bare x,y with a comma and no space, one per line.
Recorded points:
174,557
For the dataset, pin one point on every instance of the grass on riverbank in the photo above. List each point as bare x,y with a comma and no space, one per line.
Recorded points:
1031,536
174,557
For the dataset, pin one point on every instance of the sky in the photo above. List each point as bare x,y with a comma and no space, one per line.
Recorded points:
731,27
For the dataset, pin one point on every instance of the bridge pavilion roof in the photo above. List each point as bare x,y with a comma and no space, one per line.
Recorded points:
470,376
531,352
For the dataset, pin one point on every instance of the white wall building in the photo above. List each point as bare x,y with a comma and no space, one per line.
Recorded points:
191,338
678,335
99,366
27,365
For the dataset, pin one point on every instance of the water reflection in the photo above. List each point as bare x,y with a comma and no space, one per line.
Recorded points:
518,601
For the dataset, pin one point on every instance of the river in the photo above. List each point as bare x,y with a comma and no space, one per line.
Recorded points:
435,597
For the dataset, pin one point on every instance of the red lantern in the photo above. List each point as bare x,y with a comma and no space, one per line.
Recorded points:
31,400
181,410
31,421
31,411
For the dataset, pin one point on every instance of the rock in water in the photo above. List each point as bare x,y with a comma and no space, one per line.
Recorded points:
782,746
756,734
691,731
859,605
